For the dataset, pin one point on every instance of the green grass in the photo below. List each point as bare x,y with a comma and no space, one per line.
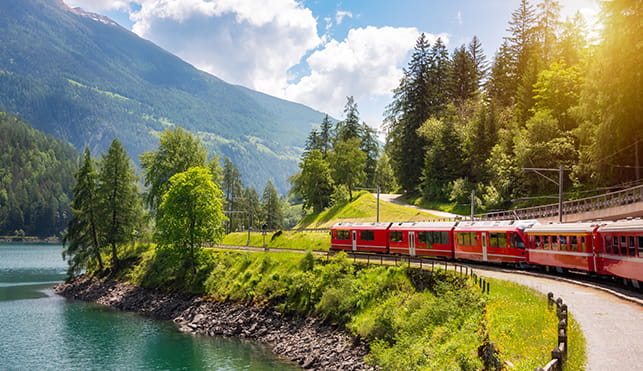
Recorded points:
525,330
308,240
363,209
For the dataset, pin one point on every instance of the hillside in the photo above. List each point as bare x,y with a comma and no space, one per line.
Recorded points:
36,178
363,210
85,79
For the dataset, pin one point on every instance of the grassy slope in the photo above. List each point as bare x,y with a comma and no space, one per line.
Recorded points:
363,209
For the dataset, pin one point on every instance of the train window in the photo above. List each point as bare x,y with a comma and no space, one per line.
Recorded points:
343,234
614,245
608,245
573,243
423,237
623,245
535,241
497,239
583,246
640,238
554,242
546,242
517,241
631,245
562,240
396,236
367,235
442,238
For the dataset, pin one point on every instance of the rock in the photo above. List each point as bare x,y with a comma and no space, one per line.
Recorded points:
307,341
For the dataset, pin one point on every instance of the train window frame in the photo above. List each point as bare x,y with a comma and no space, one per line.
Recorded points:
554,242
343,234
607,244
546,244
615,245
498,239
367,235
640,241
623,246
517,242
583,244
535,242
562,243
573,243
396,236
631,246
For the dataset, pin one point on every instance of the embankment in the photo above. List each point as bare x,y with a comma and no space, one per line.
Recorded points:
306,341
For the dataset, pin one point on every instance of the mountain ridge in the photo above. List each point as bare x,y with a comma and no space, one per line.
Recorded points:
85,79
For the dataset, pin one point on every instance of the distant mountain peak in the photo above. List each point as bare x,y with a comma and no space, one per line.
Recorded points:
82,12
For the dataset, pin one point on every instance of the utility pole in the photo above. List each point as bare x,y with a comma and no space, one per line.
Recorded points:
559,183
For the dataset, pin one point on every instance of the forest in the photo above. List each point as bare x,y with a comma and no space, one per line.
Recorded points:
36,178
553,95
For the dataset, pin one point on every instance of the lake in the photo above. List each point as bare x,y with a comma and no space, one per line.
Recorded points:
41,330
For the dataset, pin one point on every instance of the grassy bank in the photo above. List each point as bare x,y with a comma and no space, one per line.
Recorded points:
411,320
363,209
525,330
309,240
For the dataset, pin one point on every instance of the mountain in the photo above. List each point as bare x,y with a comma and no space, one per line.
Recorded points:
85,79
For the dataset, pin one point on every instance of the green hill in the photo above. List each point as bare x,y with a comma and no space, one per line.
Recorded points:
36,178
85,79
362,210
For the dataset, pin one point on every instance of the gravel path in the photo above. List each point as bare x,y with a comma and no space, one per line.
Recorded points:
612,326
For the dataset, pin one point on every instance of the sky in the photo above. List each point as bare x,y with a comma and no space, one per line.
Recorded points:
315,52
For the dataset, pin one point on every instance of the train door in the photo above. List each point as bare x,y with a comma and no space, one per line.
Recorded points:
411,243
354,238
484,246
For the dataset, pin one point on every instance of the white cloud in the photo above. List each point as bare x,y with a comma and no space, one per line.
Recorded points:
367,63
341,14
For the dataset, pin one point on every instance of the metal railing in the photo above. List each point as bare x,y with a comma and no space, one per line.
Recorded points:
600,202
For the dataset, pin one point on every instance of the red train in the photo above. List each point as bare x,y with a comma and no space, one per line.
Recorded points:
606,248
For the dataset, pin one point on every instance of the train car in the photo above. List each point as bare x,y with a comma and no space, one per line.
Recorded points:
569,245
370,237
621,251
433,239
492,241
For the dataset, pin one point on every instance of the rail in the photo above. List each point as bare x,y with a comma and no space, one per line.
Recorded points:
559,354
593,203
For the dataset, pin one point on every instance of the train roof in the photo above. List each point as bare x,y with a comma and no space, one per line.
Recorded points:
558,228
424,225
361,226
634,225
504,225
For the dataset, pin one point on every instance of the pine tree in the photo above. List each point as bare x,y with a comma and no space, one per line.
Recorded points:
120,205
409,109
82,240
271,206
325,136
349,127
232,189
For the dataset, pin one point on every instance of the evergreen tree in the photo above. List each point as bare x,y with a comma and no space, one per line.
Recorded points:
404,116
120,205
479,61
349,127
325,135
547,29
370,147
252,205
82,240
462,76
233,191
272,207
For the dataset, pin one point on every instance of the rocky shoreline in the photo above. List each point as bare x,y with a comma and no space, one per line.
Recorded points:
309,342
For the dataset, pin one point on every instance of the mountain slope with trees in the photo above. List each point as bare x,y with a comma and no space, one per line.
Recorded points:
36,180
83,78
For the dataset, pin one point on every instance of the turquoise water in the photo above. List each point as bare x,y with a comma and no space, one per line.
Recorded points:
40,330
